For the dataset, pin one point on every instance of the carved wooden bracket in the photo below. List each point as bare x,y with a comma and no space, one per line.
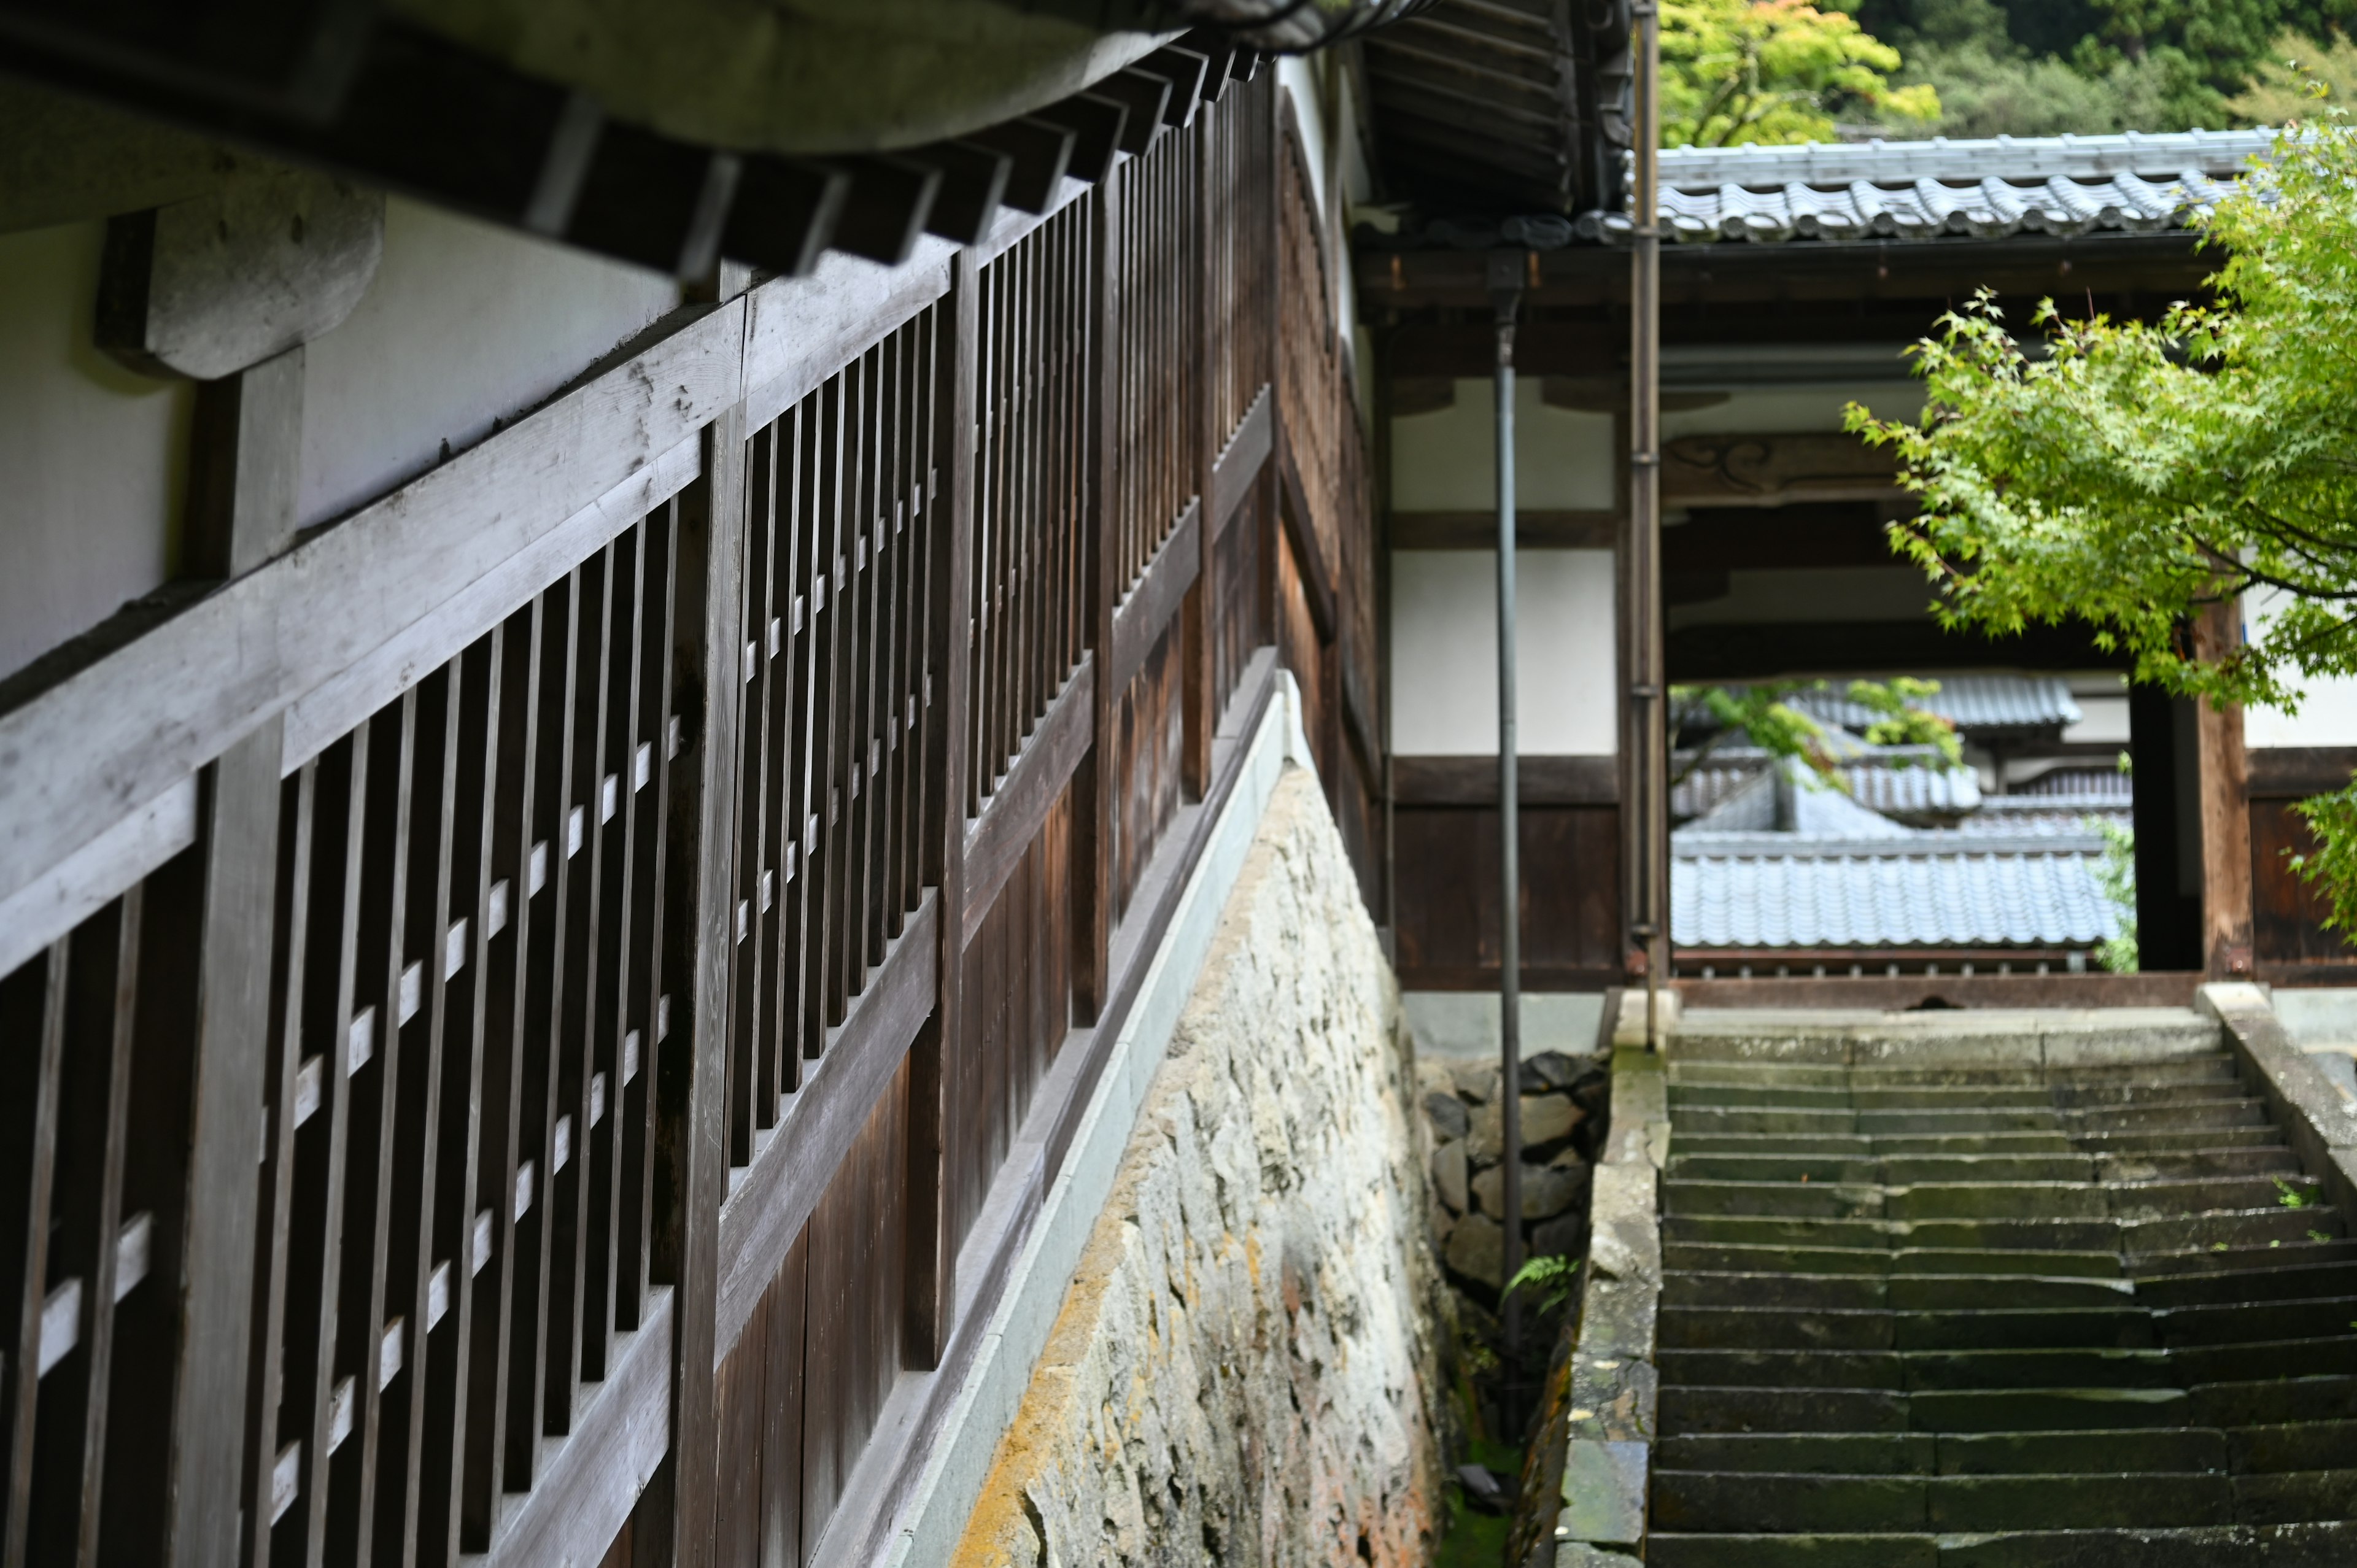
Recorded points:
1770,470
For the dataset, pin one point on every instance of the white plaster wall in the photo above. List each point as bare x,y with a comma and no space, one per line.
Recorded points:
1444,653
465,323
93,459
2328,712
1565,460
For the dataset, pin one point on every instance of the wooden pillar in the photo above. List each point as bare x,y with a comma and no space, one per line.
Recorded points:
1195,768
243,476
1095,784
931,1250
2225,811
694,1061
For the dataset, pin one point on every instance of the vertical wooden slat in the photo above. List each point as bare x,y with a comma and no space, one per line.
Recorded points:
694,1174
489,1325
32,1009
1097,784
635,1080
781,1543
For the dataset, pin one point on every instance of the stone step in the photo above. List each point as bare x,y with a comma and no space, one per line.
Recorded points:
1787,1329
1895,1291
2114,1451
1924,1371
2319,1545
2216,1066
1707,1500
1709,1408
2224,1230
2290,1283
1743,1258
1853,1095
1907,1170
2140,1200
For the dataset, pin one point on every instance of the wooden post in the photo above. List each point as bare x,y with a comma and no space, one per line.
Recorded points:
2225,811
1198,686
693,1060
932,1278
242,513
1095,786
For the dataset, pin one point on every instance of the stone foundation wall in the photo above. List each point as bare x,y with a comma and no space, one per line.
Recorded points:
1246,1367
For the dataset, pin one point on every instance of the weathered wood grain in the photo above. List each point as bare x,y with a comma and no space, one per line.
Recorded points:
1238,461
793,1162
1012,814
81,754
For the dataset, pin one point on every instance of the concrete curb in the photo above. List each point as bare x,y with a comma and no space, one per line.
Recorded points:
1614,1386
2320,1124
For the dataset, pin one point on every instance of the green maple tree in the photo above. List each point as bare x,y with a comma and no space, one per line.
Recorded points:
2136,472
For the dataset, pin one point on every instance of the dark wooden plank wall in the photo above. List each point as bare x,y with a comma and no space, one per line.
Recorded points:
504,1005
1446,860
2289,942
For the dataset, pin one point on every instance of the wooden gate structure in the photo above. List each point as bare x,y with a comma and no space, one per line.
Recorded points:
569,985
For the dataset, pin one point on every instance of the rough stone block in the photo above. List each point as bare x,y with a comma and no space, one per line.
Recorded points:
1603,1493
1580,1554
1477,1249
1612,1398
1476,1081
1558,1238
1449,1174
2098,1040
1622,1207
1250,1346
1547,1190
1546,1118
1448,1115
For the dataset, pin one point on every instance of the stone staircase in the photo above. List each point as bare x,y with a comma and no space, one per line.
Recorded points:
2013,1299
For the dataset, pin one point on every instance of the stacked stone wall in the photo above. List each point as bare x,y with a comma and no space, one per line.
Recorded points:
1246,1369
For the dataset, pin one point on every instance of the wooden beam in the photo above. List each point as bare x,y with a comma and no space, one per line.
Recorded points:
793,1162
1762,649
1099,128
264,263
1012,814
2225,811
1318,588
784,216
1593,529
249,469
692,1061
1546,780
2273,773
1772,469
890,201
91,743
1149,608
974,183
1145,98
1039,152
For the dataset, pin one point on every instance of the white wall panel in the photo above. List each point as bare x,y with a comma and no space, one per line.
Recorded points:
95,458
1447,460
1444,653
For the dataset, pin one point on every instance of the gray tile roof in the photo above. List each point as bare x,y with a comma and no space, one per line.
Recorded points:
1913,792
1840,192
1764,890
1974,703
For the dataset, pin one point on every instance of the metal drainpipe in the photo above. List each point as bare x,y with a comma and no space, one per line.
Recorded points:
1506,296
1648,690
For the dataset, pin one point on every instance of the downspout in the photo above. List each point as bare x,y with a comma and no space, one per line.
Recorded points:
1506,297
1648,677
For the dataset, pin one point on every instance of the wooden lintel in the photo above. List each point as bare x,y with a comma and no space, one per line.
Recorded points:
1146,612
1772,469
2291,773
793,1162
1012,813
1593,529
1546,780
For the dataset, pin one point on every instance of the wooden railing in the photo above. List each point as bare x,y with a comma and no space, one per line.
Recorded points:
537,1016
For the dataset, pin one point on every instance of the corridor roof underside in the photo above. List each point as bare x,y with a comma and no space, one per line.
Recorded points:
1845,193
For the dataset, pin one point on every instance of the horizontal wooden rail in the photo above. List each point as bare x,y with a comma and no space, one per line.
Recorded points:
589,1482
1239,463
69,893
1011,814
83,754
1147,613
1315,577
1546,780
770,1199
